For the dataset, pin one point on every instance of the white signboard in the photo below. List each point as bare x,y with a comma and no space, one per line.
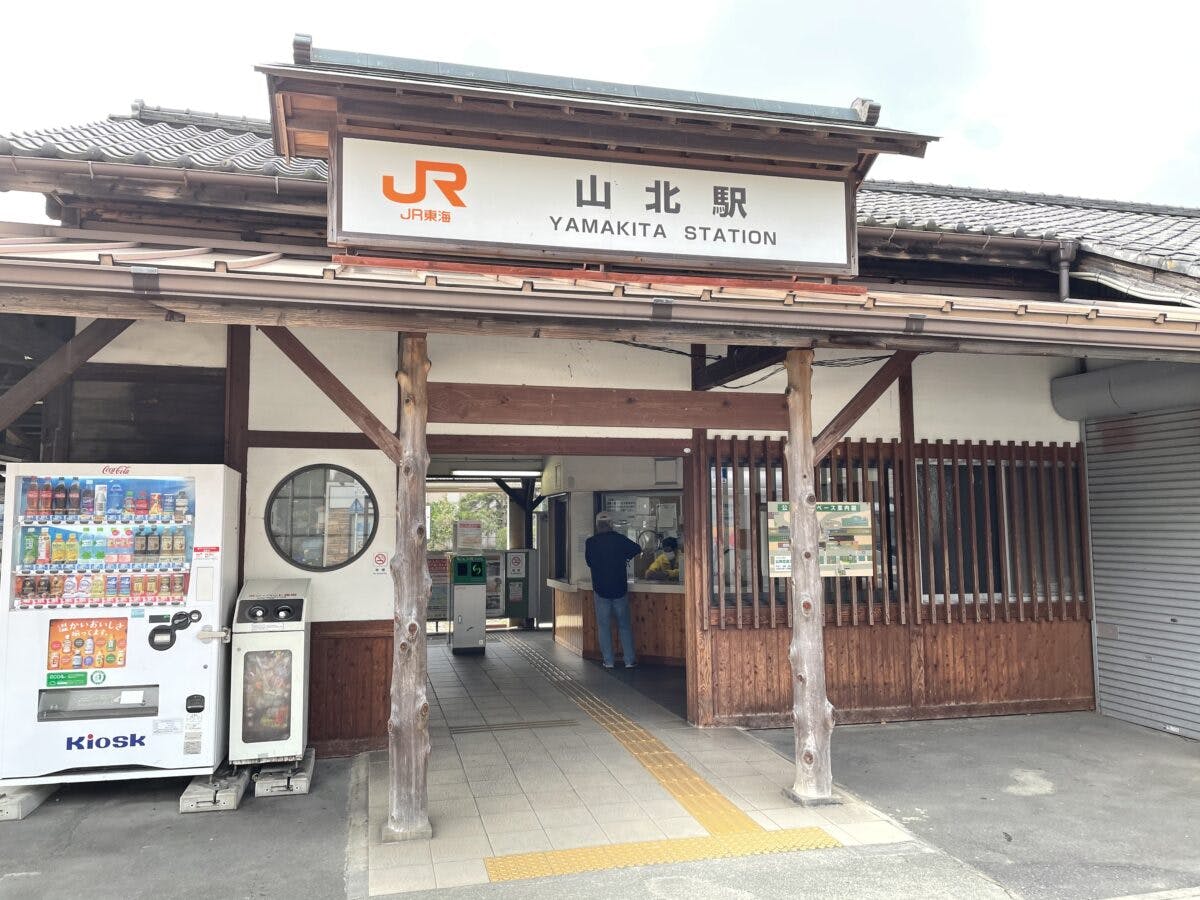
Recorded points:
412,195
468,535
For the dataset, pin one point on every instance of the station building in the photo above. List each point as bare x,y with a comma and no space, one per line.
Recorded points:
1008,380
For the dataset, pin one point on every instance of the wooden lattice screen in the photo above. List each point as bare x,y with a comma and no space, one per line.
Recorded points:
963,531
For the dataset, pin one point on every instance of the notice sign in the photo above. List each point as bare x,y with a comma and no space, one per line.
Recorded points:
846,546
468,535
393,194
779,539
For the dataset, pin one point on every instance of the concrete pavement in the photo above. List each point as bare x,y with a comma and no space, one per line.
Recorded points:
128,840
1066,805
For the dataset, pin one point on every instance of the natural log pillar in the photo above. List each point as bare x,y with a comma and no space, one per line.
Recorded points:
812,712
408,725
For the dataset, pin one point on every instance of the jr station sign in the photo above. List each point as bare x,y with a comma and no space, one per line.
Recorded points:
399,195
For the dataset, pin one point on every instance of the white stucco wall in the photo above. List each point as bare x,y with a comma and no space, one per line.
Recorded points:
957,397
162,343
283,399
352,592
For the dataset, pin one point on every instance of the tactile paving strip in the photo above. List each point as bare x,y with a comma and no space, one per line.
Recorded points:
706,804
649,853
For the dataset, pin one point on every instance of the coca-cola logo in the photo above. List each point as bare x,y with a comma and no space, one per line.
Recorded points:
115,470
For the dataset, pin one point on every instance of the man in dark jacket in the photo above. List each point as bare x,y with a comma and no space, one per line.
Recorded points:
607,554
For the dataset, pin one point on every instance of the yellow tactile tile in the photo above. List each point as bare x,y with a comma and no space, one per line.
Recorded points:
649,853
708,806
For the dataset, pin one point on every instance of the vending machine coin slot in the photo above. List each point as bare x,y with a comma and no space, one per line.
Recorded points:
162,637
194,703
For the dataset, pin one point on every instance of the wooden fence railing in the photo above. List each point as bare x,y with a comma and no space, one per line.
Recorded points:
963,531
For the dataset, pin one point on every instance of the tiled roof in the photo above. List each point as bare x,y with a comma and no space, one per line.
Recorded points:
1160,237
169,138
1163,237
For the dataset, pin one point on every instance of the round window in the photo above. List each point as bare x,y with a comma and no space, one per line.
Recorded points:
321,518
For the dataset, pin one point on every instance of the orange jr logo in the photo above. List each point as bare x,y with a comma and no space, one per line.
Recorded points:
448,186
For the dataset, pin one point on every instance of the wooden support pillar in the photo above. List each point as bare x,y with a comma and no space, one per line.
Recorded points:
58,367
408,725
698,581
237,422
812,713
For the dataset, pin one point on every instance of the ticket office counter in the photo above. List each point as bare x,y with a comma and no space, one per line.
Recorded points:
656,609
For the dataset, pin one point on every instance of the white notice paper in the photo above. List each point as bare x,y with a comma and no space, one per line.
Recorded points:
132,698
667,516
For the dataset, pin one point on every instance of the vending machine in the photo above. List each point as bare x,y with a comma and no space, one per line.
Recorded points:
115,599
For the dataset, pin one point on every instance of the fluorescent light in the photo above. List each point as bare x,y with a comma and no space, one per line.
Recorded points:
496,473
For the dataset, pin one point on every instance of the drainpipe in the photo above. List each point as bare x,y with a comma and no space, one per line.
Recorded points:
1066,256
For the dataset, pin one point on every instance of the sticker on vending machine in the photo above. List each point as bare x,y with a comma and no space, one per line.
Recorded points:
208,553
168,726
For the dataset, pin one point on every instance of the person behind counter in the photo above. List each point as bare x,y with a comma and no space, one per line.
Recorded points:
666,564
607,554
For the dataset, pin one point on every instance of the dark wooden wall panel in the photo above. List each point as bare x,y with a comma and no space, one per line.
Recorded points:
658,626
349,678
568,619
969,669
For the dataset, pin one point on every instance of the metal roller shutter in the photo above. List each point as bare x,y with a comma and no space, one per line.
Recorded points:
1144,493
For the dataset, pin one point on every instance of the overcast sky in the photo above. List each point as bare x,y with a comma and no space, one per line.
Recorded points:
1094,99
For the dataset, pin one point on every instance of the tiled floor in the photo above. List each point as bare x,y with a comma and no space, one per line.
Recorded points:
518,767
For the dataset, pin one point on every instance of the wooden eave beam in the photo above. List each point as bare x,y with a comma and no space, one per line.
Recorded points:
58,367
317,83
840,425
738,362
601,131
498,404
333,388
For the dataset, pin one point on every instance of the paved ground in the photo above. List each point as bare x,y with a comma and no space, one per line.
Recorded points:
532,755
906,871
1070,805
128,840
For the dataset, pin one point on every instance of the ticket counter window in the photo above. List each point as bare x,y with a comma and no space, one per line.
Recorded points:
321,518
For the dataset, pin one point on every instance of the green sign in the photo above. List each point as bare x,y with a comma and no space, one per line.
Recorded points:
66,679
779,539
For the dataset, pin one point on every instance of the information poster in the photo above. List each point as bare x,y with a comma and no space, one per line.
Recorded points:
76,644
779,539
439,593
468,535
846,546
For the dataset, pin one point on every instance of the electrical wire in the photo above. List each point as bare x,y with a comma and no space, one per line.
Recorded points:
843,363
686,353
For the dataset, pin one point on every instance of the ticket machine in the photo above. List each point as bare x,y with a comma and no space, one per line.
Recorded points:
468,603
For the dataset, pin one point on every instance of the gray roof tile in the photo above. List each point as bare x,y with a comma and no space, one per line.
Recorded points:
1156,236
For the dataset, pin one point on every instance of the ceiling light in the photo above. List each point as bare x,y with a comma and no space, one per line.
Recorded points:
496,473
